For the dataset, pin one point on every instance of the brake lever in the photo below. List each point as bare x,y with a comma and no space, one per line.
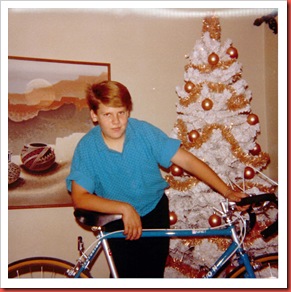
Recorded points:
232,205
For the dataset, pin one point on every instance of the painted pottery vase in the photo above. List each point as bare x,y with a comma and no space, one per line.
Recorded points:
37,156
13,170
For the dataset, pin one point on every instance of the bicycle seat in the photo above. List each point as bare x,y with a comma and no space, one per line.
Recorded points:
91,218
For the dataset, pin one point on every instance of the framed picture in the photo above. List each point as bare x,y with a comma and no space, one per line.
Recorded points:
47,116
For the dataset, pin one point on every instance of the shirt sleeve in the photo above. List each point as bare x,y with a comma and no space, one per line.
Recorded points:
163,147
81,171
171,147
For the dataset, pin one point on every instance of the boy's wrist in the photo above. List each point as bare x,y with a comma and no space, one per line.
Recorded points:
125,207
227,193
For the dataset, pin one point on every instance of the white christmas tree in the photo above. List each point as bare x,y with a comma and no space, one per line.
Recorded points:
215,122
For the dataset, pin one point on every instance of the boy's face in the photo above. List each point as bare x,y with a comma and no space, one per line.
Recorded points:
112,120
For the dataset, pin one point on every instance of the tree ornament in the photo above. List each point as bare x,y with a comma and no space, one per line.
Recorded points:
213,59
232,52
214,220
256,150
193,135
189,86
252,119
173,218
249,173
176,170
207,104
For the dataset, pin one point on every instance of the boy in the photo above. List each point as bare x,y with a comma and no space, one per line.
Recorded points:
115,169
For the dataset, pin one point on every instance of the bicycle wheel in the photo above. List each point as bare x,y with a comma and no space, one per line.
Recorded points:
41,267
265,266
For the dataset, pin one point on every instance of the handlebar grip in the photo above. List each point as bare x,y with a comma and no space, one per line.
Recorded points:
257,199
270,230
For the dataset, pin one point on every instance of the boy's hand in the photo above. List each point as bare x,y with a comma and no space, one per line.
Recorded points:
132,223
236,197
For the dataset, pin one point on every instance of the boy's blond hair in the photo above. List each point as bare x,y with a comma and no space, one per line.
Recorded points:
109,93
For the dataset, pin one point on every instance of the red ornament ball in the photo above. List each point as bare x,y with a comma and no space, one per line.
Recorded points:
207,104
189,86
249,173
193,135
256,150
213,59
176,170
214,220
173,218
232,52
252,119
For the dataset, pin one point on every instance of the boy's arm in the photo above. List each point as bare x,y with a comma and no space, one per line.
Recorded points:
203,172
82,199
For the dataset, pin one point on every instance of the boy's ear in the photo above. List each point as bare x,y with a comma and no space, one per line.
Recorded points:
93,116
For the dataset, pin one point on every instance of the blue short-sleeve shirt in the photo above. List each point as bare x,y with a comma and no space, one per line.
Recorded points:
132,176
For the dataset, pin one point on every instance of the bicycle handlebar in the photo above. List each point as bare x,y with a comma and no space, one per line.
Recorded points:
257,199
273,228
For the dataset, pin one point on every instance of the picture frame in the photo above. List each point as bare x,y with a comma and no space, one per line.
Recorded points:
47,116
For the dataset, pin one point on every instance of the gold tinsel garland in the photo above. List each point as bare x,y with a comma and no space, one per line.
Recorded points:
256,161
211,24
181,186
235,102
207,68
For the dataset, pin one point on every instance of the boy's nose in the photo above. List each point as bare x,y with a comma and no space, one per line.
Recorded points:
115,119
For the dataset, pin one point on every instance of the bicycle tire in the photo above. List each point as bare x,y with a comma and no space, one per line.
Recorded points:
265,266
41,267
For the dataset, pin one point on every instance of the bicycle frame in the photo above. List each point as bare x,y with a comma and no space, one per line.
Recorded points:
227,231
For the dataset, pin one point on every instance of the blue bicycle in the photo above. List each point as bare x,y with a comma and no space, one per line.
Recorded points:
235,227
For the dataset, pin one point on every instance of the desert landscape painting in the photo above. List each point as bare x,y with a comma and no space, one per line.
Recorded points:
47,106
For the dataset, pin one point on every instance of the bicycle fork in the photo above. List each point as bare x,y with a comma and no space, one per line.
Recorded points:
242,256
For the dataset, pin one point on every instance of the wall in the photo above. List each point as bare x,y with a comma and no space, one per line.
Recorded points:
147,53
49,232
271,103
